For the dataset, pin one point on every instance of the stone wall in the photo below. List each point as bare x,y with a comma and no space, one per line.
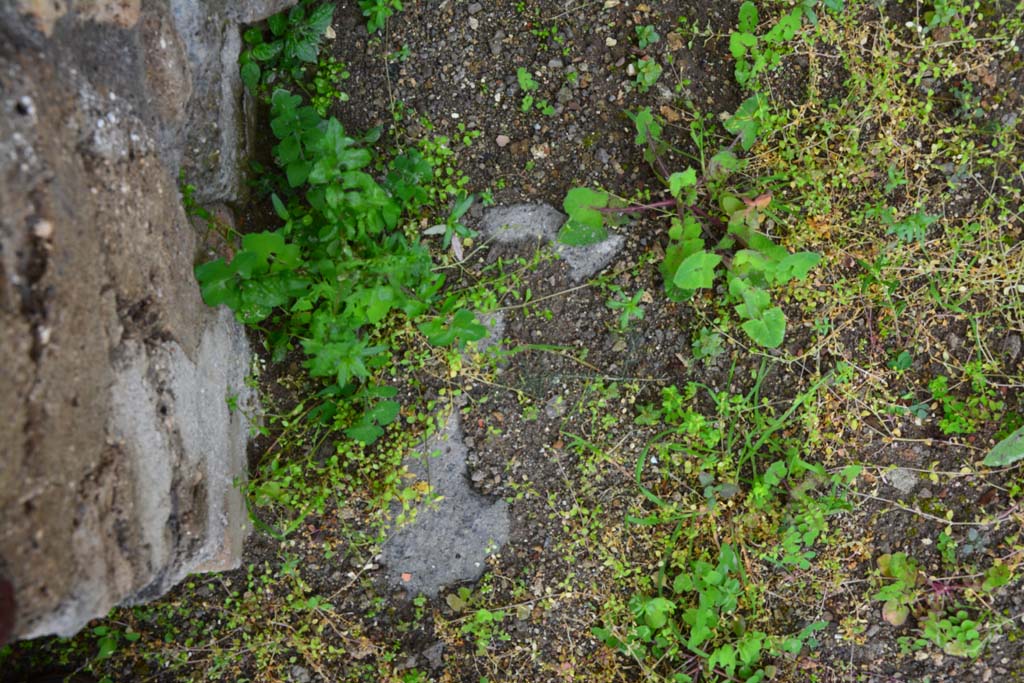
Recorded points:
118,450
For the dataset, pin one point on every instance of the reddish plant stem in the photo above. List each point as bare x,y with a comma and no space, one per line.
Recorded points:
636,208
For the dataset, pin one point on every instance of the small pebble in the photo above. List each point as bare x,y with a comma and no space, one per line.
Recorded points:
502,140
475,7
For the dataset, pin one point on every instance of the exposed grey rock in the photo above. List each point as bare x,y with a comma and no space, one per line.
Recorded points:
120,455
448,541
541,222
902,479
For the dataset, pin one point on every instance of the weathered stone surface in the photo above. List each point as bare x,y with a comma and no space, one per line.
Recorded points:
449,540
541,222
118,451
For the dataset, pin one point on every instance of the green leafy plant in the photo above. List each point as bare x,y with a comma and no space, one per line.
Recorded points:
330,74
646,36
648,71
755,54
699,627
377,12
956,634
529,85
902,590
965,415
282,58
743,256
484,626
340,264
629,307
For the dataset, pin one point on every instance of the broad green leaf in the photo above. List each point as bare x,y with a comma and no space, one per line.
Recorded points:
997,575
289,150
586,222
647,127
750,647
278,24
724,656
747,260
251,75
796,266
657,612
298,172
1007,451
384,412
678,181
304,49
366,433
730,204
769,330
107,645
252,36
264,52
755,299
217,284
748,17
320,19
683,583
697,271
739,43
723,163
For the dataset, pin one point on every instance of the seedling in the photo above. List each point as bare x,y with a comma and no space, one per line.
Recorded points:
745,257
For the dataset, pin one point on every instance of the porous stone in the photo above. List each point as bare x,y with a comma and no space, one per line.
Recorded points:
120,452
449,539
541,223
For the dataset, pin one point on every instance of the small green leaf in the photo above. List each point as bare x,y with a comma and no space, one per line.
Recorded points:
746,121
769,330
278,23
697,271
678,181
252,36
526,81
647,127
748,17
739,43
1008,451
997,575
107,645
251,75
279,207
